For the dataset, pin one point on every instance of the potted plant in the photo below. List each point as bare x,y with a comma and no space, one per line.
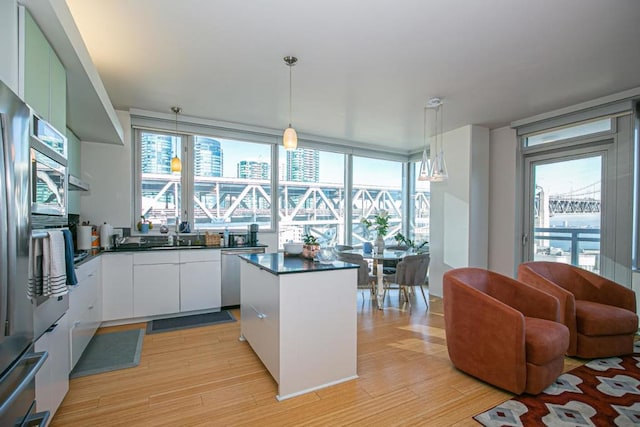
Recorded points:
381,224
144,225
311,246
402,240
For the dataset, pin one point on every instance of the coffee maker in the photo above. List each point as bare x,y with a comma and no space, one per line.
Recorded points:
252,235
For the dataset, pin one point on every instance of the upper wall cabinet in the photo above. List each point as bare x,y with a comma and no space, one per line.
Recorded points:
45,79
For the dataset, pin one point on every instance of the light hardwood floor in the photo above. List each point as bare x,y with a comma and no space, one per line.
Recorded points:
206,377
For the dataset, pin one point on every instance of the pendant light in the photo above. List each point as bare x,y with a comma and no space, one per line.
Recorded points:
176,164
439,166
290,137
425,165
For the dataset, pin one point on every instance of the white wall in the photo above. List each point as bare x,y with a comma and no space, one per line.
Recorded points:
9,43
502,201
635,285
460,206
108,170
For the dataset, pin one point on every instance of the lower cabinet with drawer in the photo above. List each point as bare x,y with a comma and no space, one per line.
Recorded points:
85,312
52,380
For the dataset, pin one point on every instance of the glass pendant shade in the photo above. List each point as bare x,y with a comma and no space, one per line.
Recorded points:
425,167
290,138
176,164
439,168
438,171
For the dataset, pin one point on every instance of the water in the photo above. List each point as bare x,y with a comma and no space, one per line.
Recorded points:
586,221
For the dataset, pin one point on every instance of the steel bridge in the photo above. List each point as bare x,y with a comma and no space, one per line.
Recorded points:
313,207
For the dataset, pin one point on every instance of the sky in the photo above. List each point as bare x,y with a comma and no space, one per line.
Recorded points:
571,176
366,171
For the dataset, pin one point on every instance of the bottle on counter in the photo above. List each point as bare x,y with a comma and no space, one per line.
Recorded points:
225,239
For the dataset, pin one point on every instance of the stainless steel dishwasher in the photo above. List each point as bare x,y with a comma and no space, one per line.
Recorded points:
231,274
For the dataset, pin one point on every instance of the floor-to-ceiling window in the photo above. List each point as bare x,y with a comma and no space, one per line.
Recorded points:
420,197
311,193
576,198
377,186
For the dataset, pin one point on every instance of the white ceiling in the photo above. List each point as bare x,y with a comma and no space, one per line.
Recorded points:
366,68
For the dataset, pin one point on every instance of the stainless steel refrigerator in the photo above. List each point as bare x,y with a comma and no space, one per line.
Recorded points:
18,363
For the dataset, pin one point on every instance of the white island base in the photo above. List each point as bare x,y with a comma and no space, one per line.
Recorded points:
303,326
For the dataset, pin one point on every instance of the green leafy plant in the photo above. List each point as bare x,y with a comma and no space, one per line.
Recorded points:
380,222
308,239
401,239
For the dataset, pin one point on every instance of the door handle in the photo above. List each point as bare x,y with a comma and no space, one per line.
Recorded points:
38,360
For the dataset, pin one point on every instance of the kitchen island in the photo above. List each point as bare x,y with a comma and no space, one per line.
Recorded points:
299,317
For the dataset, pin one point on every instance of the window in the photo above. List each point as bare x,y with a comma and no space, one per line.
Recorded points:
377,185
421,207
160,189
228,182
573,131
311,189
231,183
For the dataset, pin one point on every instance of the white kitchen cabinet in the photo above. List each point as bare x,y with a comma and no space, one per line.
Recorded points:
156,283
52,380
117,286
85,309
200,279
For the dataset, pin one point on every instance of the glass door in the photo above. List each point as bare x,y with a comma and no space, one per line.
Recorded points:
568,203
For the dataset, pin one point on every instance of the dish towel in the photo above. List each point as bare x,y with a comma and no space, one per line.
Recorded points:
35,268
54,266
72,280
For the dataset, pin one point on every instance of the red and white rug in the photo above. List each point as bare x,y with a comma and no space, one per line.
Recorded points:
603,392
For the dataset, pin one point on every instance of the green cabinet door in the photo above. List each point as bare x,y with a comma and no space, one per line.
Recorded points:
36,68
58,100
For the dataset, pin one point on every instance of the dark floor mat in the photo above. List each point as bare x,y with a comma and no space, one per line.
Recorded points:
193,321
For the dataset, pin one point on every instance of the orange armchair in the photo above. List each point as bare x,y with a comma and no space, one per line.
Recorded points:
600,314
502,331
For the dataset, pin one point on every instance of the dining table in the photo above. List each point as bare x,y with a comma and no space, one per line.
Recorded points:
378,267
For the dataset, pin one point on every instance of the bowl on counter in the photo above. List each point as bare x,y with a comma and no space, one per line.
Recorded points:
293,248
326,256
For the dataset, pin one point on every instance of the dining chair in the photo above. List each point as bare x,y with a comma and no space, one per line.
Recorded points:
365,279
391,265
410,272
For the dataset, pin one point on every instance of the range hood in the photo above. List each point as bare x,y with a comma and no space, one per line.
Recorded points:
76,184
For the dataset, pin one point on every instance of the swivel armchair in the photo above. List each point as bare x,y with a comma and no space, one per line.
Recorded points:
600,314
503,332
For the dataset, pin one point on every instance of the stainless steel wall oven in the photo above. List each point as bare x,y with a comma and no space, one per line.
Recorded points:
48,183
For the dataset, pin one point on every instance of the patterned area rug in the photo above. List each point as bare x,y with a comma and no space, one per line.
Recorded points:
603,392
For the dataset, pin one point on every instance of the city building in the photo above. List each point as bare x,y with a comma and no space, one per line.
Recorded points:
208,157
157,151
303,165
253,169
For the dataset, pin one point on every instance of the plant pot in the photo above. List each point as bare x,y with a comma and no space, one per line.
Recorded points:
310,251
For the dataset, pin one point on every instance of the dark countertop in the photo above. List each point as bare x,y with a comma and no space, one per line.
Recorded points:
278,263
134,247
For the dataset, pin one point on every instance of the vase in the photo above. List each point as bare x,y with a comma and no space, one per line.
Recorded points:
380,244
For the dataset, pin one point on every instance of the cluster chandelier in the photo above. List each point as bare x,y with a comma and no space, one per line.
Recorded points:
176,164
290,137
436,170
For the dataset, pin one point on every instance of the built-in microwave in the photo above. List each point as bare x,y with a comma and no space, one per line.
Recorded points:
48,177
